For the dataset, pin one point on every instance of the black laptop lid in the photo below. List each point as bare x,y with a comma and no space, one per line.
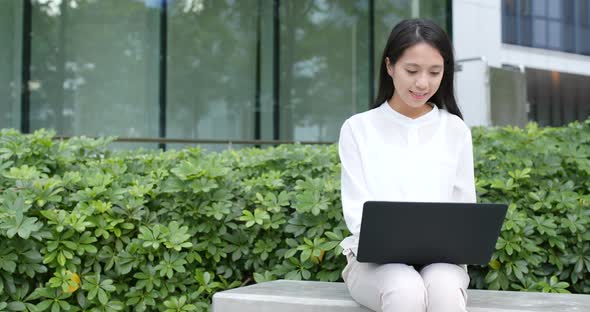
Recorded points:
423,233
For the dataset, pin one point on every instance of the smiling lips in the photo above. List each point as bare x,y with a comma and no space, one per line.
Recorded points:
418,96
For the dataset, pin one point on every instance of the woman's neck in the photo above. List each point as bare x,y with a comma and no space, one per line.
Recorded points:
408,111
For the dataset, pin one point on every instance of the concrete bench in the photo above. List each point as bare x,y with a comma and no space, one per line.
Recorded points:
299,296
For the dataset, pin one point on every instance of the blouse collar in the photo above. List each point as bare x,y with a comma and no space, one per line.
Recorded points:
429,117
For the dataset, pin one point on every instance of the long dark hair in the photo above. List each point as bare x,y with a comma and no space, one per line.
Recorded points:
406,34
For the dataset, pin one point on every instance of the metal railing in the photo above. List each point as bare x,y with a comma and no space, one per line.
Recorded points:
204,141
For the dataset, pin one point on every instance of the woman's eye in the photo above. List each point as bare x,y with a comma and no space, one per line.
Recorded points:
434,73
411,71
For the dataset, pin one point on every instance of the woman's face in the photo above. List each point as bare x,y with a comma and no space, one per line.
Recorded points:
416,76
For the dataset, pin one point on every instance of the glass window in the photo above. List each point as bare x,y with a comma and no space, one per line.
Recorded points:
539,7
509,7
212,69
583,42
390,12
555,31
94,67
434,10
570,97
555,9
569,38
526,30
569,11
557,98
539,33
509,29
584,12
387,14
525,7
539,95
555,25
11,14
580,8
323,66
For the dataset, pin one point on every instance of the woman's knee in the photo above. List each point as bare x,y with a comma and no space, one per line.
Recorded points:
446,286
402,284
450,275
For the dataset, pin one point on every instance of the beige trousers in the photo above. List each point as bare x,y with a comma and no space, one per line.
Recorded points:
438,287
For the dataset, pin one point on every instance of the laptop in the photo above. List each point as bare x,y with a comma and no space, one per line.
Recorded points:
420,233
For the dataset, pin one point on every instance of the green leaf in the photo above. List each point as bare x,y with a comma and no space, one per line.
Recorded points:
305,255
44,305
17,306
102,296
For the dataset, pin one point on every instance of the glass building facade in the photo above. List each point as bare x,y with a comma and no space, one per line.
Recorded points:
289,70
556,98
562,25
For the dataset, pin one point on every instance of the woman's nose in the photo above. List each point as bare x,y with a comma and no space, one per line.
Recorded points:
421,82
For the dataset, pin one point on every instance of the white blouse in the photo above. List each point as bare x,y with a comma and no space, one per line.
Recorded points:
388,156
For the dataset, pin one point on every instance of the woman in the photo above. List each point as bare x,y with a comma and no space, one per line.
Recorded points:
412,146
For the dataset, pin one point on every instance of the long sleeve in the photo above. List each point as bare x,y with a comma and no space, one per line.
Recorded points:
354,191
464,188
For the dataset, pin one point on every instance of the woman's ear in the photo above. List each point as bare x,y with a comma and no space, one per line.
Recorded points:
389,67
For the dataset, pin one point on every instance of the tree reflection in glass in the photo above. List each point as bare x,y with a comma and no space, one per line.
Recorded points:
94,67
211,69
324,66
10,63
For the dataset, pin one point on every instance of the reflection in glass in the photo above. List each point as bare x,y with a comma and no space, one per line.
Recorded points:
557,98
323,66
508,24
526,31
10,63
539,33
324,59
555,25
525,7
211,70
509,7
539,8
555,31
94,67
387,14
508,97
583,11
555,9
390,12
583,42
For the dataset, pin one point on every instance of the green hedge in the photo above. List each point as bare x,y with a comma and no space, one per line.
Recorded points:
544,174
85,229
